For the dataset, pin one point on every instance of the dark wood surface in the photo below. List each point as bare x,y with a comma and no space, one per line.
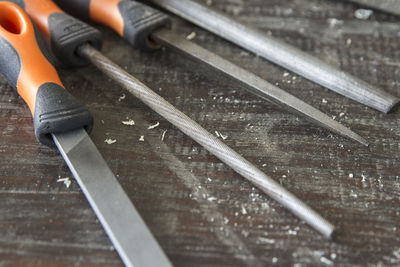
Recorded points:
201,212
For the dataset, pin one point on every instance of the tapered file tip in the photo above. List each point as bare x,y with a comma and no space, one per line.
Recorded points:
394,104
360,139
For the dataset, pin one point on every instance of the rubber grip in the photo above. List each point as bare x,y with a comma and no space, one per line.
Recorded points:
67,34
27,70
132,20
63,32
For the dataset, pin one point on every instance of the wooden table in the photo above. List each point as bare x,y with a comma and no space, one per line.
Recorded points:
201,212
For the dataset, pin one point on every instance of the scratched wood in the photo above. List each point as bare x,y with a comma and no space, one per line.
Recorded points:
201,212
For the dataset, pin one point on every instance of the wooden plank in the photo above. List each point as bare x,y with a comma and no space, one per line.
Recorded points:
201,212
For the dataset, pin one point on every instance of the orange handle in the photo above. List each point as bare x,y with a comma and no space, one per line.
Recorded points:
107,12
63,33
25,67
132,20
40,11
34,69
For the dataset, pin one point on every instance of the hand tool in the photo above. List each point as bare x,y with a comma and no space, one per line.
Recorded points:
280,53
59,117
180,120
132,21
391,6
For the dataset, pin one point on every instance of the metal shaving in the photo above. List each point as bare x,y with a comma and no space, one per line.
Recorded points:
244,211
333,22
66,181
153,126
326,261
129,122
218,134
110,141
211,199
163,135
122,97
363,14
266,240
191,36
224,137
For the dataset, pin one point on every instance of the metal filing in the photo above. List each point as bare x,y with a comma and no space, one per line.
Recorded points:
207,140
141,29
254,83
191,128
281,53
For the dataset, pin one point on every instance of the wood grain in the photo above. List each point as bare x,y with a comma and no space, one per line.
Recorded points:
201,212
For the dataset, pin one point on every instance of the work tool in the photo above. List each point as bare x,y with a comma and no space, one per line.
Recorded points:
60,118
176,117
391,6
280,53
147,29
